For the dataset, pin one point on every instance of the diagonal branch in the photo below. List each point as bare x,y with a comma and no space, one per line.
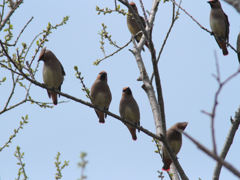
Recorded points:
228,143
212,155
19,35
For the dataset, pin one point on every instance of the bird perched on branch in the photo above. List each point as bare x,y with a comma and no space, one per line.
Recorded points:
174,138
101,95
219,25
133,25
129,110
238,47
53,73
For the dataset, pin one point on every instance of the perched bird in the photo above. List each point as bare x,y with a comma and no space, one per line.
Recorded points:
101,95
174,139
53,73
219,25
132,24
129,110
238,47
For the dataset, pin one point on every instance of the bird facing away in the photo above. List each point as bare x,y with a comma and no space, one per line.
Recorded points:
53,73
238,47
219,25
174,139
129,110
101,95
132,24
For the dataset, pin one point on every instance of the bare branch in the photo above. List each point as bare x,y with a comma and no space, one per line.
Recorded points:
213,156
174,18
212,115
228,143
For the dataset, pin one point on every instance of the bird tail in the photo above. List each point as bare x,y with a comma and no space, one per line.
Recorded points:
53,95
54,98
167,163
100,116
223,46
133,133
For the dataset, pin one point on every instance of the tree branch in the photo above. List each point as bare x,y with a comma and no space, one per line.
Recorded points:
228,143
10,14
212,155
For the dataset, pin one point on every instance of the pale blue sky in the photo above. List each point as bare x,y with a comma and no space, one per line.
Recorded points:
186,69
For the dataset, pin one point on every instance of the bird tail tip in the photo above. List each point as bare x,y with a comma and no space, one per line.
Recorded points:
166,169
54,98
101,117
133,133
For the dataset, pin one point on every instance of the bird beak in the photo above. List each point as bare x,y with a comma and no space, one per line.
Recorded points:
40,58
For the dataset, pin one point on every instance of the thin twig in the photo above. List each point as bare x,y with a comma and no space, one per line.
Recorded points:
2,14
15,132
14,81
17,4
19,35
19,156
174,18
115,52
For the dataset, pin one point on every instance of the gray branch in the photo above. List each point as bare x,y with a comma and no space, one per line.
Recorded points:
228,143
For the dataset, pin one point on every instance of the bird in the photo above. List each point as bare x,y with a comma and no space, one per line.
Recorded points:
174,139
129,110
53,73
238,47
219,24
132,24
100,95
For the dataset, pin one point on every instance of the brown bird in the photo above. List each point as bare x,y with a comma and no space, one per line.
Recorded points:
219,25
129,110
101,95
132,24
174,139
53,73
238,47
